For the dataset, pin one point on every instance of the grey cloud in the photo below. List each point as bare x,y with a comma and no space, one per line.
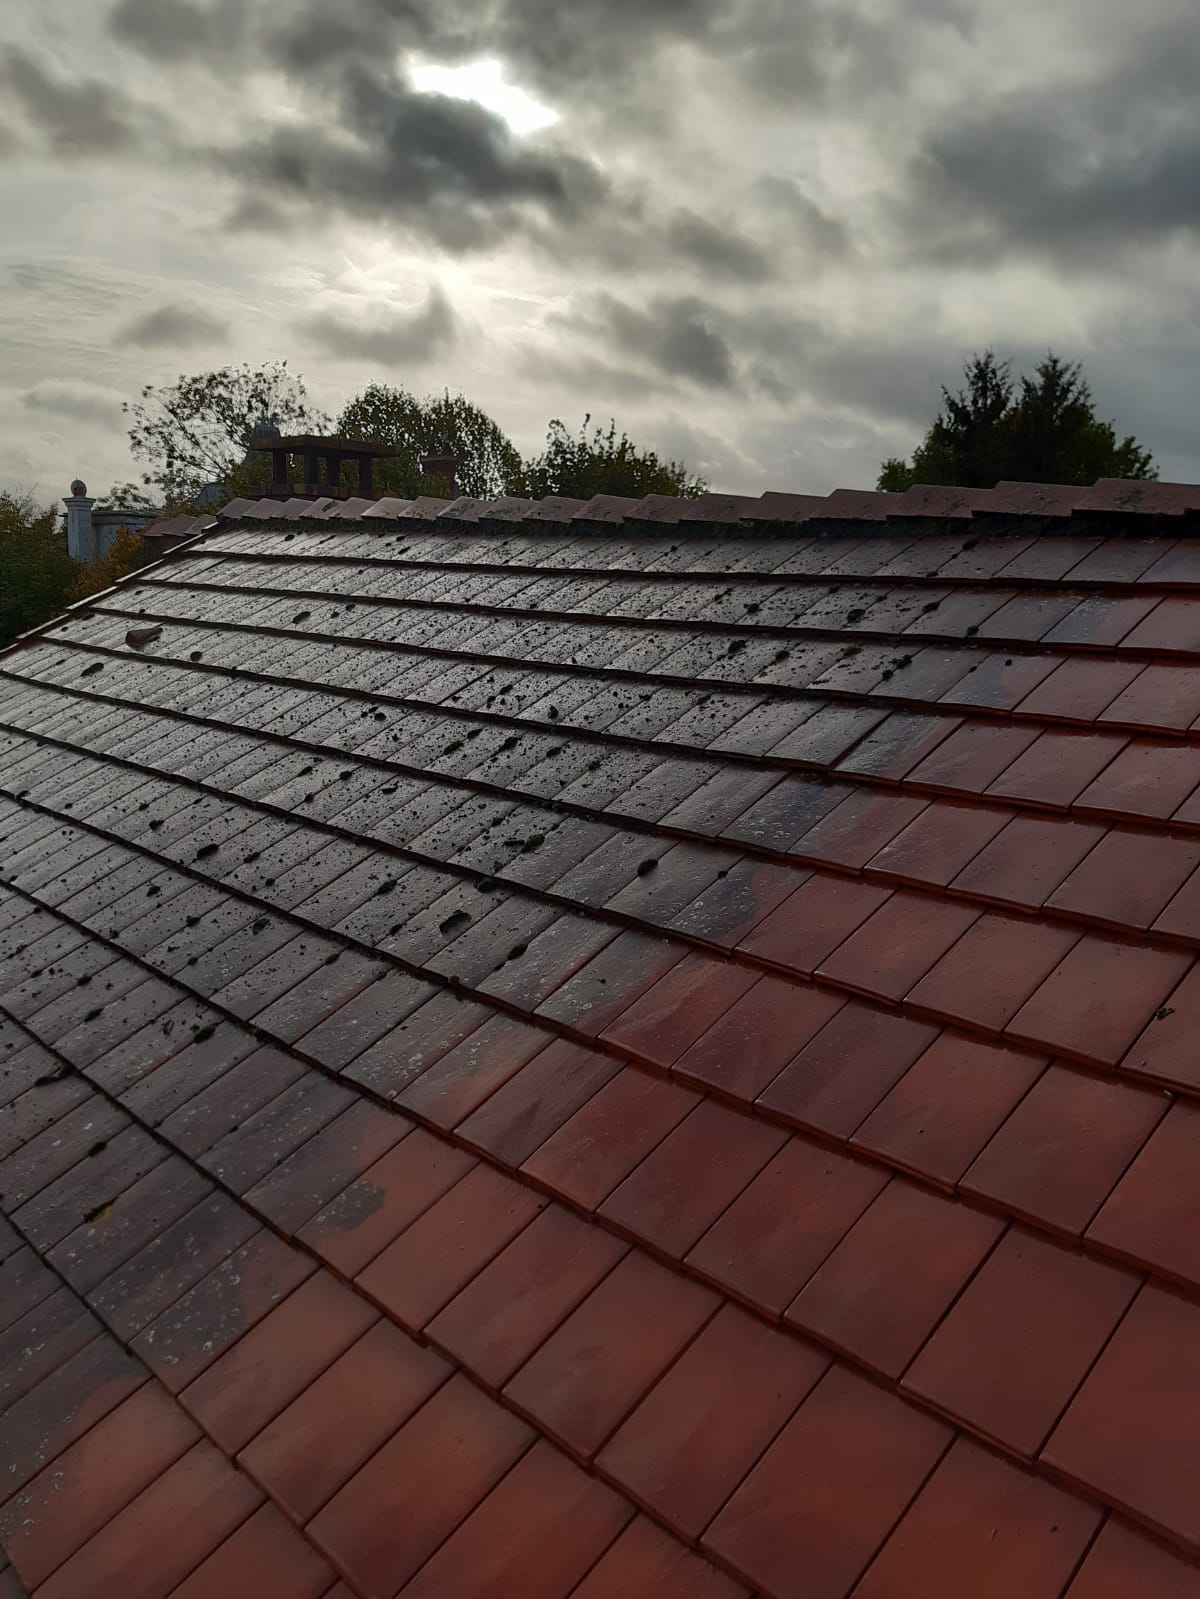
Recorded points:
810,207
548,42
719,252
774,352
1104,159
174,326
400,337
675,336
181,30
75,398
824,238
561,46
822,52
892,379
445,167
253,213
1018,179
557,46
73,116
370,146
310,37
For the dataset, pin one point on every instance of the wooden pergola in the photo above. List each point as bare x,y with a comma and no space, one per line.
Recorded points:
323,457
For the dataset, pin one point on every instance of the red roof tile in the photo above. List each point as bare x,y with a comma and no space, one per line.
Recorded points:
1130,1430
506,1312
336,1424
470,983
772,1238
1016,1345
982,1527
590,1373
382,1526
158,1538
644,1559
948,1105
895,1273
1065,1148
92,1481
537,1532
1122,1562
829,1490
696,1434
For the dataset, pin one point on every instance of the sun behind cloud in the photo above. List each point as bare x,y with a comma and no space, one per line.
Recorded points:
485,83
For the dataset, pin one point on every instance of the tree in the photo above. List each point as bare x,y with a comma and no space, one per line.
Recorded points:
200,430
1044,431
126,554
35,570
487,461
1055,435
602,463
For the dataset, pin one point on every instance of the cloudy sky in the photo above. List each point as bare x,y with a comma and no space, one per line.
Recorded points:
759,232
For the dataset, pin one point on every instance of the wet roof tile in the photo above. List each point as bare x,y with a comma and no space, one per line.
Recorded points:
684,900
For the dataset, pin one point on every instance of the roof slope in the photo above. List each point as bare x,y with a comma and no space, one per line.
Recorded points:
542,1064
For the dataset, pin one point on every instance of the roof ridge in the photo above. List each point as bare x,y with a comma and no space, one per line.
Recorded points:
1051,505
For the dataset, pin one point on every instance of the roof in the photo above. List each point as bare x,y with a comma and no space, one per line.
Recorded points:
543,1055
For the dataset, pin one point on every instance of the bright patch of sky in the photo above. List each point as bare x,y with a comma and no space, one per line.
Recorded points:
485,83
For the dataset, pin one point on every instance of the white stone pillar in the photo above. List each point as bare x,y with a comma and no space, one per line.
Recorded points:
81,536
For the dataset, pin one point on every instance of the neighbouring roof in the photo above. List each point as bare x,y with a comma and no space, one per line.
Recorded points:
543,1055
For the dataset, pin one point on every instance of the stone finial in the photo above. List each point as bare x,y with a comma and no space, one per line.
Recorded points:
79,488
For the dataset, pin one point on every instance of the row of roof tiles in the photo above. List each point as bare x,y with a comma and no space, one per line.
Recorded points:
1108,497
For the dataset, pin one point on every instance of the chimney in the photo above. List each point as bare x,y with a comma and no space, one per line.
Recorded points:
442,465
81,535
